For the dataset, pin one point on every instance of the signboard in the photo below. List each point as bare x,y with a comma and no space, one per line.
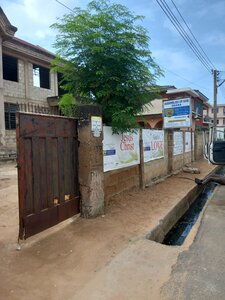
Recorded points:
153,144
177,113
96,125
120,150
187,141
178,146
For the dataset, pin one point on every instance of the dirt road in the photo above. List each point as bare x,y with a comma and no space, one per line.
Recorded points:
66,261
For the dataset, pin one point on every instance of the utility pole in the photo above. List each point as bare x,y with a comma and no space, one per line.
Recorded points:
215,99
215,87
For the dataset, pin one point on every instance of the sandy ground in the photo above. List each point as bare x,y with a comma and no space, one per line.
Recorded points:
96,258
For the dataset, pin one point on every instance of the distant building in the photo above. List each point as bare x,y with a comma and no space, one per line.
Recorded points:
220,114
152,115
25,77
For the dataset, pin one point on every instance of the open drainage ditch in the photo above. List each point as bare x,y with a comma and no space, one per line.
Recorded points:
180,230
178,233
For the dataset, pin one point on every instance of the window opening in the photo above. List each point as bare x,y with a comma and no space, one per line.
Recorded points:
10,68
10,115
41,77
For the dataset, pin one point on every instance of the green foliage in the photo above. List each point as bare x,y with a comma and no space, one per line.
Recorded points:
68,105
103,55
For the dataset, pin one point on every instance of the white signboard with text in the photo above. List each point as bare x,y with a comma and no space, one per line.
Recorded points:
120,150
178,146
187,141
177,113
153,143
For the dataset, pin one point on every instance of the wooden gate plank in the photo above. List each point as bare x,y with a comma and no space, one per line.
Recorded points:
48,173
28,171
43,173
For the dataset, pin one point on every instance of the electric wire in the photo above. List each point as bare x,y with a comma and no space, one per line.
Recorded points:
64,5
183,33
213,67
183,78
186,35
170,15
207,63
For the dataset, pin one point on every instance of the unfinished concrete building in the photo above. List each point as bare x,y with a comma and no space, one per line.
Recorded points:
25,78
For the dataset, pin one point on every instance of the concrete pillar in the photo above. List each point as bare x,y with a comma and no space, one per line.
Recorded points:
142,163
91,176
170,150
26,79
2,110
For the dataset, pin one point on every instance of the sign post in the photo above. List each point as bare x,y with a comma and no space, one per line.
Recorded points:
177,113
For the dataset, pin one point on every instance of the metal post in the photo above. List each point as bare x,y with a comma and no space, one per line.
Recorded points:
215,99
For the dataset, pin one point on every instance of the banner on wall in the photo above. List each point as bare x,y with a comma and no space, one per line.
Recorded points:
177,113
178,146
187,141
120,150
153,143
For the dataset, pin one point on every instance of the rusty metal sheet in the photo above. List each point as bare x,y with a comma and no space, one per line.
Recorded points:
32,125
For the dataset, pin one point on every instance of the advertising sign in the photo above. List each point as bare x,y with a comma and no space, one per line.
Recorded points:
177,113
187,141
178,146
153,143
120,150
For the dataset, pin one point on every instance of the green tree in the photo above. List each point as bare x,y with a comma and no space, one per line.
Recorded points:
103,54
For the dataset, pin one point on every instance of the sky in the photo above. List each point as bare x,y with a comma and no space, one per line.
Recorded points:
206,18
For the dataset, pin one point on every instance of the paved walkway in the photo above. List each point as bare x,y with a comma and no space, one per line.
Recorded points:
200,272
143,270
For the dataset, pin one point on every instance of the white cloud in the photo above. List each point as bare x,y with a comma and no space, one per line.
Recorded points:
176,60
214,38
34,17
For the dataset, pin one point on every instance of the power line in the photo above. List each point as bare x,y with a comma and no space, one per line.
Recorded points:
168,12
183,33
213,67
183,78
61,3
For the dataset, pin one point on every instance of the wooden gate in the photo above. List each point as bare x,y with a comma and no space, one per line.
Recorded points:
47,171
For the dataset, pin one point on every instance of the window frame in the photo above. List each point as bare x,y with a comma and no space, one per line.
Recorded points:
10,110
43,77
11,63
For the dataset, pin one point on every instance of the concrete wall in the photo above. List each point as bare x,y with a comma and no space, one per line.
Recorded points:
155,169
22,91
120,180
187,157
177,162
198,145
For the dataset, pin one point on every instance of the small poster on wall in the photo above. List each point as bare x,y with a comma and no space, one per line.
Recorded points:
153,143
120,150
178,146
187,141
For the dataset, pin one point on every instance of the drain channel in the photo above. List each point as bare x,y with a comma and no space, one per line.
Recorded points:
180,230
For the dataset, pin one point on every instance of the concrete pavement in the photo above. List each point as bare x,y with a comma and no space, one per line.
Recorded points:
200,272
149,270
103,258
